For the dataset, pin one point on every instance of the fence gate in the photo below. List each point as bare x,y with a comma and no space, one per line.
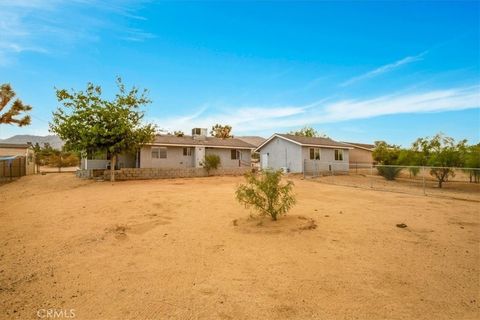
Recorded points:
12,168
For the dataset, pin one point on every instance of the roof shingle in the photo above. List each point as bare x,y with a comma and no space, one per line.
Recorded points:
207,141
313,141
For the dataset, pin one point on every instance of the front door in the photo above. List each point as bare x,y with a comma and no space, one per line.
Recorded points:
265,161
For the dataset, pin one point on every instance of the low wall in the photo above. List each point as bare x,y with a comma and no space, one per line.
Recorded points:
90,173
164,173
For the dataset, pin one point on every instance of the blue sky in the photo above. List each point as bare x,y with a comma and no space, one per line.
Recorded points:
358,71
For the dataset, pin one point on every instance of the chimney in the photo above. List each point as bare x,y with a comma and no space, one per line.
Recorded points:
199,133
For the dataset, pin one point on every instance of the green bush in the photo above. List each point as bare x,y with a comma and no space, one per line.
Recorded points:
265,193
389,173
211,162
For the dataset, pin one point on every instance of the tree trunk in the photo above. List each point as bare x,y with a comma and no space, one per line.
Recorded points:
113,162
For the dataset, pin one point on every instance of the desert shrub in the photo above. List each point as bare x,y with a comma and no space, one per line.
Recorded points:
265,193
414,171
472,160
211,162
389,173
387,155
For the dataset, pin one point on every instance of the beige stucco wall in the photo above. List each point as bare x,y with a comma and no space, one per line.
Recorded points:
358,155
13,152
28,153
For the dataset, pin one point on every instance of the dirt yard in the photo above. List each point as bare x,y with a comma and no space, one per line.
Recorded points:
184,249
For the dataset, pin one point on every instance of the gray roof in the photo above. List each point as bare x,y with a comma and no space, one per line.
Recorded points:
307,141
189,141
313,141
15,145
361,145
253,140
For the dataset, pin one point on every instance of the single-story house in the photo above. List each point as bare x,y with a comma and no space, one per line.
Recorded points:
294,153
21,151
361,153
170,152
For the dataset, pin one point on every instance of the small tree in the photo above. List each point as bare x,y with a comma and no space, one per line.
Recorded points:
388,157
412,159
178,133
10,116
62,158
211,162
443,153
265,193
43,154
307,131
88,123
472,160
219,131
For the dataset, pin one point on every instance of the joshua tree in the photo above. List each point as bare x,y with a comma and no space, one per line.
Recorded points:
12,115
220,131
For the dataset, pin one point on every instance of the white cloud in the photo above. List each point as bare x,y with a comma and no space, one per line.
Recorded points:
254,119
50,26
384,69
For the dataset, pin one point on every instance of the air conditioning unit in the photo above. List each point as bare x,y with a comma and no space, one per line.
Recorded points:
199,133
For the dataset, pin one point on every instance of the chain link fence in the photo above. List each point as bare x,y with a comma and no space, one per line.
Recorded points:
462,183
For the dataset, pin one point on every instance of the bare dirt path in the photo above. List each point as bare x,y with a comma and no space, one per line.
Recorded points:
169,249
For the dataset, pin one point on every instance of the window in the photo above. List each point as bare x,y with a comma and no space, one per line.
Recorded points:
338,155
159,153
187,151
314,153
235,154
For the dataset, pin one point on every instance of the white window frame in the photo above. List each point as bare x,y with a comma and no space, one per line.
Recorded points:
189,152
155,153
338,155
160,151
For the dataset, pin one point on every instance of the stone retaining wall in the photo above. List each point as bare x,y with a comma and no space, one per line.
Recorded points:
90,173
164,173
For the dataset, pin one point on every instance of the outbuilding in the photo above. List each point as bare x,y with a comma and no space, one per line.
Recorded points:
298,154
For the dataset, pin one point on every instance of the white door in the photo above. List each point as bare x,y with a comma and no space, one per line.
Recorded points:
264,160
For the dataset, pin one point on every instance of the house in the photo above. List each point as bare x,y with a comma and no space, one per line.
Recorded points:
361,153
21,155
254,141
296,154
173,152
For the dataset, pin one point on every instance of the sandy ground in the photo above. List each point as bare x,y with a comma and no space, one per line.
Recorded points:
184,249
463,190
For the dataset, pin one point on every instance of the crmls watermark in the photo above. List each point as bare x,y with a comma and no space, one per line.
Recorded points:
56,313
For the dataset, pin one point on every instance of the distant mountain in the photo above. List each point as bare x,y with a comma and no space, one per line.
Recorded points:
53,140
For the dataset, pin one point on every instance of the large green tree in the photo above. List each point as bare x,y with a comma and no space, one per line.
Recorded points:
442,153
13,113
307,131
89,123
